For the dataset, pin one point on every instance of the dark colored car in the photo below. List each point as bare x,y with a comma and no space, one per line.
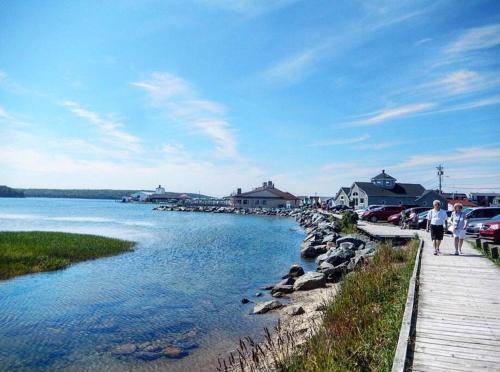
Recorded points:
491,231
422,218
340,207
396,217
382,213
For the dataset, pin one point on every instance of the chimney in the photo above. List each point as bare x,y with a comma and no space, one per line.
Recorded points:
238,191
270,184
383,171
264,184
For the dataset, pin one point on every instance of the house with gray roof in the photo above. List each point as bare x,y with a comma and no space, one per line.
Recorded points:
266,196
342,196
384,190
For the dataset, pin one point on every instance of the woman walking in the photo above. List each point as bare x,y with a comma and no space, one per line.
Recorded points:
436,223
458,223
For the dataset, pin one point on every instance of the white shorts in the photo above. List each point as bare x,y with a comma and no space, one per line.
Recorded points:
460,234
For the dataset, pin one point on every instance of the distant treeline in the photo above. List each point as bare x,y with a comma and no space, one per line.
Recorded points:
7,192
81,193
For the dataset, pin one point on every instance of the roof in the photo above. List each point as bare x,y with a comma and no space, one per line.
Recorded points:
344,189
383,176
280,194
169,195
434,194
464,202
400,189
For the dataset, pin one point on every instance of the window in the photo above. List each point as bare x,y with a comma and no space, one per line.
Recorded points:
264,202
238,201
257,202
354,194
245,201
361,200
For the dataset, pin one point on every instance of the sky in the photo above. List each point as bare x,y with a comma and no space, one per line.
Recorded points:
211,95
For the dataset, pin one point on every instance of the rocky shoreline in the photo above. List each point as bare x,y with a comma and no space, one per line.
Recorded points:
300,297
231,210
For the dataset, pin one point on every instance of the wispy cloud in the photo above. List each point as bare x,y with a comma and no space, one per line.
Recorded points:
293,68
475,39
111,130
182,103
391,114
250,7
485,102
341,141
374,146
463,155
459,82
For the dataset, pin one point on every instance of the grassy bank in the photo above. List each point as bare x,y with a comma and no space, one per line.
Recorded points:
361,326
486,253
35,251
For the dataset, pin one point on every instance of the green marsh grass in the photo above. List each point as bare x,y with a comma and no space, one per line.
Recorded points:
36,251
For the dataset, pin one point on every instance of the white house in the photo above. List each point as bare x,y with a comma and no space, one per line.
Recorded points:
160,190
141,195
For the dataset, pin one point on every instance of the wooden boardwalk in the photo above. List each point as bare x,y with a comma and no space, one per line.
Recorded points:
458,318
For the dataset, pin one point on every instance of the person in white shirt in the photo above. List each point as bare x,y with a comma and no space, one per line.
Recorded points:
458,224
437,221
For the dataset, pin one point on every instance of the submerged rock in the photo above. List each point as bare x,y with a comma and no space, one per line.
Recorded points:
245,300
124,349
148,355
264,307
310,280
173,352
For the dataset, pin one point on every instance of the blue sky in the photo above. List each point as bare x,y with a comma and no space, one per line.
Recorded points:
212,95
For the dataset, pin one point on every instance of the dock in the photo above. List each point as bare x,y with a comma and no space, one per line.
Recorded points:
457,321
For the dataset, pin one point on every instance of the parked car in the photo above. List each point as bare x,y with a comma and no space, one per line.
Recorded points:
396,217
340,208
478,216
491,229
360,211
382,213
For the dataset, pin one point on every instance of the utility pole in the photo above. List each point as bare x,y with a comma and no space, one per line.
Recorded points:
440,173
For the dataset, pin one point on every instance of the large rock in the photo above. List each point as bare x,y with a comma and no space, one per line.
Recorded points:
264,307
335,273
356,262
358,243
339,255
283,288
294,310
321,258
310,280
324,267
125,349
309,250
295,271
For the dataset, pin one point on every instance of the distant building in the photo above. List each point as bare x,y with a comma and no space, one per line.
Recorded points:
427,199
169,197
141,196
266,196
483,198
384,190
465,202
342,196
160,190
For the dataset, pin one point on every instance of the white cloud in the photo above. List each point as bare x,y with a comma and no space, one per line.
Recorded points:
475,39
342,141
374,146
3,75
471,154
490,101
391,114
111,130
182,103
460,82
293,68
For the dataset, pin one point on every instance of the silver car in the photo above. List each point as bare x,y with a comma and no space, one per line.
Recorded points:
478,216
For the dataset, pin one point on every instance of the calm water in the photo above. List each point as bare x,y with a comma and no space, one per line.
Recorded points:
181,286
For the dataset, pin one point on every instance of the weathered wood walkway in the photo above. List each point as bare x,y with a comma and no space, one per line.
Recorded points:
458,318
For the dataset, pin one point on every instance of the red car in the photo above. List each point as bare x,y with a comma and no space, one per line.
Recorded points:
396,217
382,213
491,231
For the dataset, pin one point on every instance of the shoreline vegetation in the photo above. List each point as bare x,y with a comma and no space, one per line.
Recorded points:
347,319
25,252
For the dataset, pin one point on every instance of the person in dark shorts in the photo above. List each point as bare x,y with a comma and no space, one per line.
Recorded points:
437,221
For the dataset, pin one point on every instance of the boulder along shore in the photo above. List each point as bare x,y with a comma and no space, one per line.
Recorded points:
300,298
